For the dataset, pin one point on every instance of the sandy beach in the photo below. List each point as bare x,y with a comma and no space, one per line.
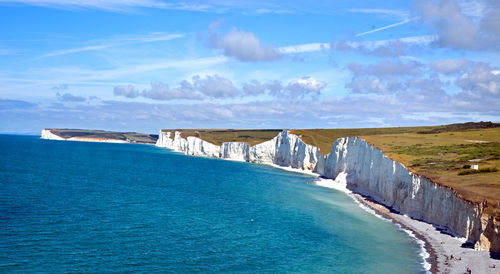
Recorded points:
440,246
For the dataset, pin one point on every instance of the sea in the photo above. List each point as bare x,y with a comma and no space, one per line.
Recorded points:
113,208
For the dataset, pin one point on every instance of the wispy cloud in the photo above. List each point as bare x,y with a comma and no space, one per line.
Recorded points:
111,5
127,6
399,13
311,47
116,43
304,48
7,52
78,76
385,27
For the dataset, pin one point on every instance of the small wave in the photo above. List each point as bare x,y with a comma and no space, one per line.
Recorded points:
423,252
296,170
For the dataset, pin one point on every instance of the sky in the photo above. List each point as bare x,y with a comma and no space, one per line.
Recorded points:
132,65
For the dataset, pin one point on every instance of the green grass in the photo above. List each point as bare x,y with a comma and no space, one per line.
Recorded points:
464,152
474,171
323,138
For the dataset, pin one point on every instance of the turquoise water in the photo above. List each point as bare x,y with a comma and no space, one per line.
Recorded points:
96,207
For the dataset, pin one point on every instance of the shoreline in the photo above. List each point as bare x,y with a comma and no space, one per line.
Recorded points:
440,245
437,245
430,256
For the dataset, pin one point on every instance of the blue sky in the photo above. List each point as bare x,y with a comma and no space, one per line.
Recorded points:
133,65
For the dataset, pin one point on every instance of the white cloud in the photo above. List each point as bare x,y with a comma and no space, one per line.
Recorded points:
374,85
126,90
162,92
385,68
307,84
476,85
60,87
480,78
211,86
449,66
296,88
243,46
68,97
255,87
386,77
454,28
472,8
215,86
460,29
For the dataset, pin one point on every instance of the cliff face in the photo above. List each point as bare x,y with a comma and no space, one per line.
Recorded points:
369,172
372,173
490,235
47,134
236,151
198,147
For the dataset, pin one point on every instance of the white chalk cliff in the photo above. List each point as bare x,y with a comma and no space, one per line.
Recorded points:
369,172
236,151
47,134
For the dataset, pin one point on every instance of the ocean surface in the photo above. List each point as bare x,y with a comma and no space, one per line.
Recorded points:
97,207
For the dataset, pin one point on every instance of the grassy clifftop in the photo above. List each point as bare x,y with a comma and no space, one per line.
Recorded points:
444,154
323,138
132,137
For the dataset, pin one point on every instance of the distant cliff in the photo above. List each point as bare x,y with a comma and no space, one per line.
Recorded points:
369,172
47,134
97,136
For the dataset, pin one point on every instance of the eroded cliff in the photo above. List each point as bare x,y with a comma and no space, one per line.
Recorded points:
369,172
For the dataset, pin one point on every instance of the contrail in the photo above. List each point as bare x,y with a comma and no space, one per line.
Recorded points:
386,27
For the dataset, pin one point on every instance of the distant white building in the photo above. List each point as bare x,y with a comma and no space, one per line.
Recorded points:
476,167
